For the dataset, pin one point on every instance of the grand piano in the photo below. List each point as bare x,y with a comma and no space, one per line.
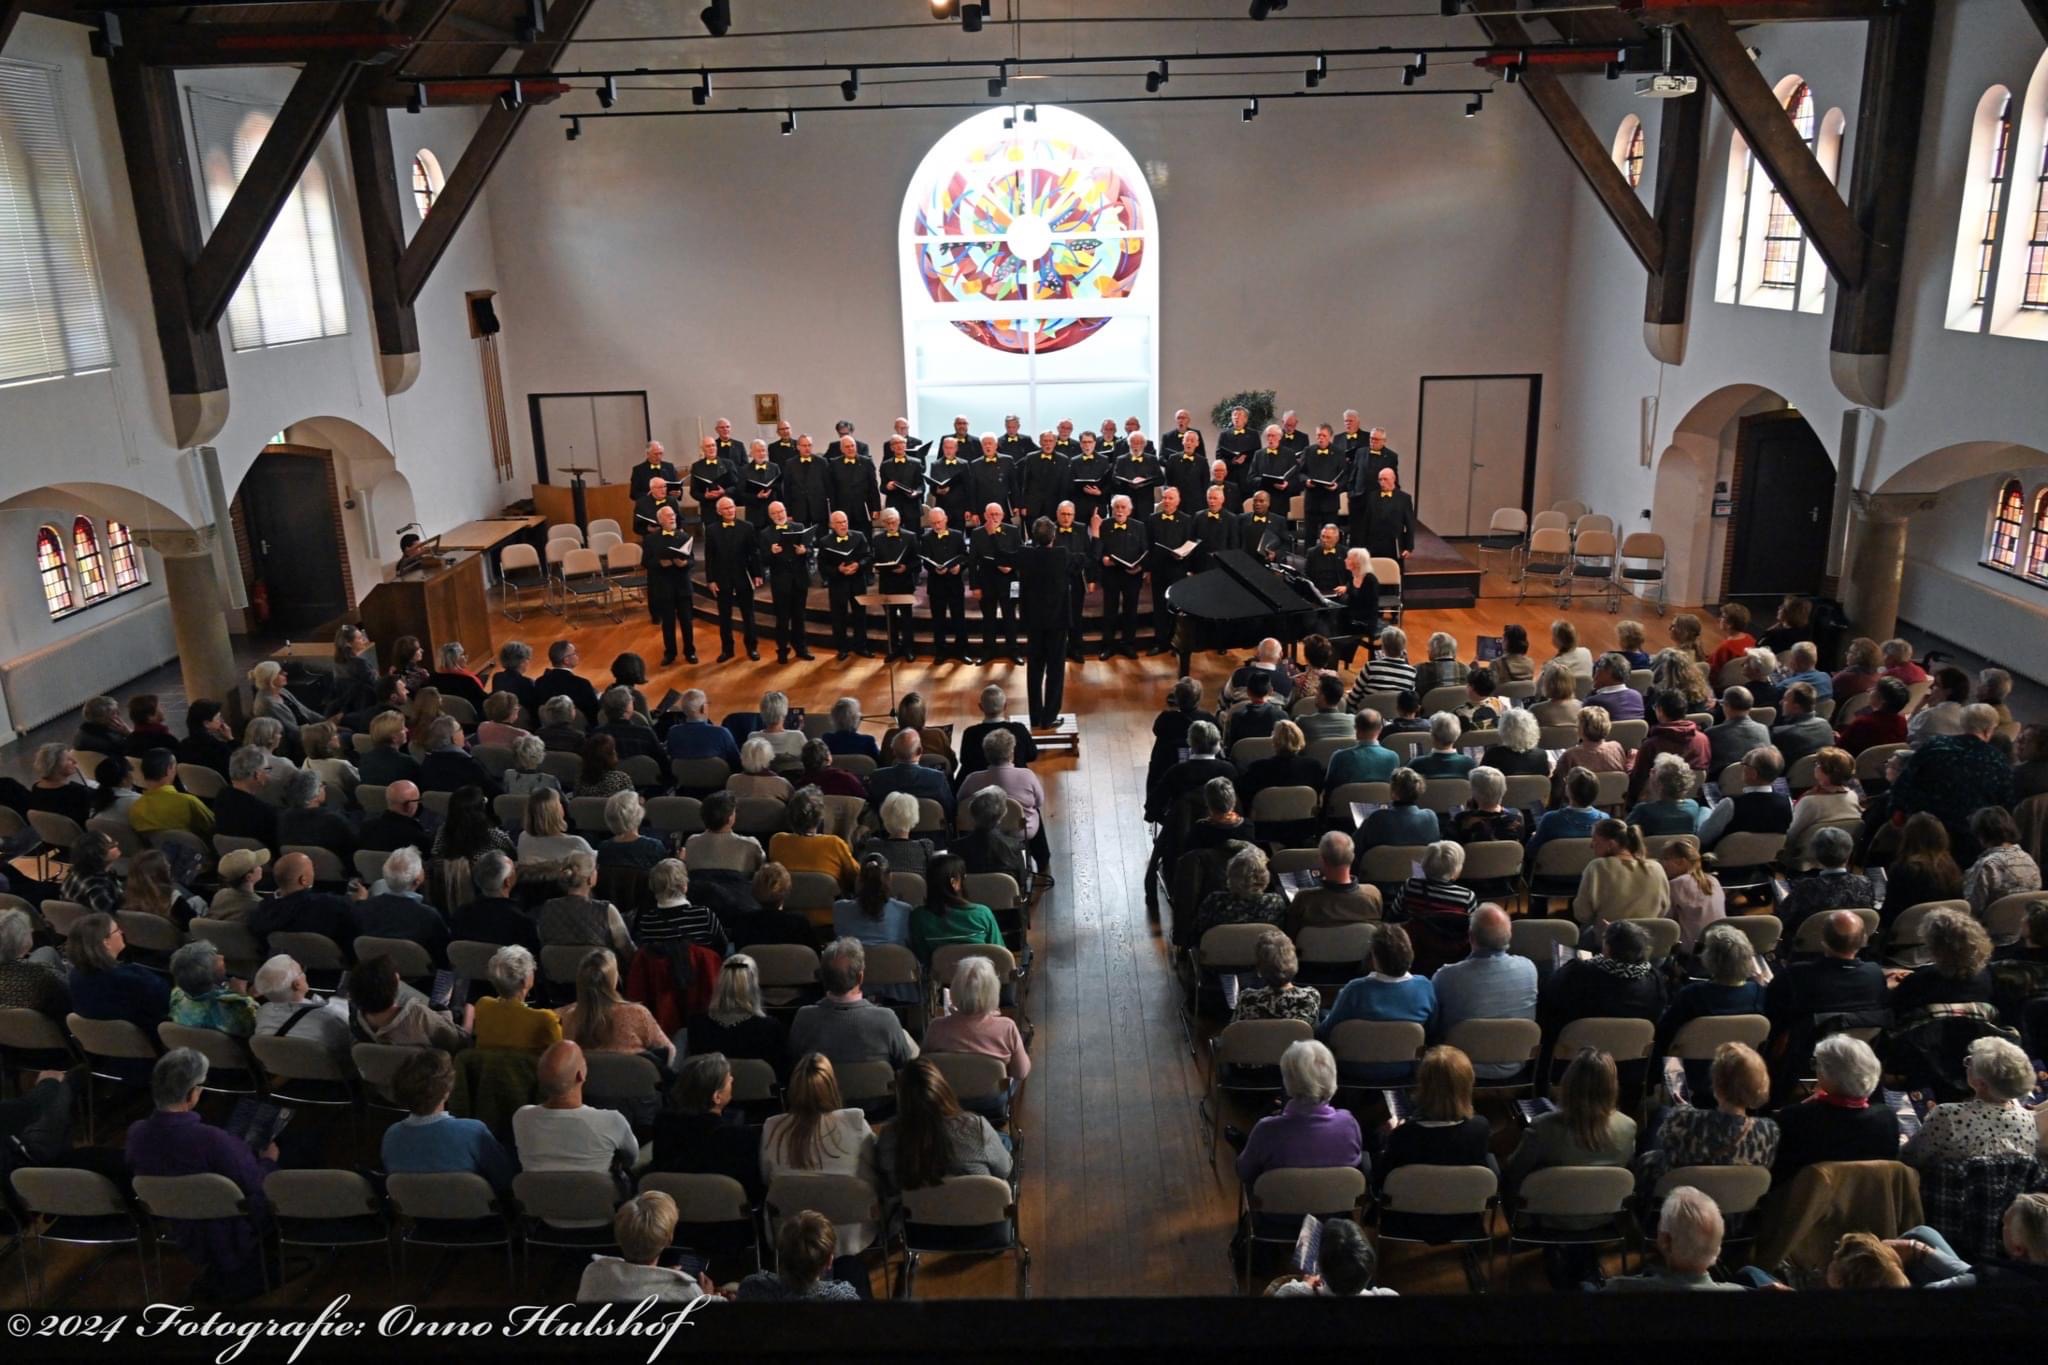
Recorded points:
1242,599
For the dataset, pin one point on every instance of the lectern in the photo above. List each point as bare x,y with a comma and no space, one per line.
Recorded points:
437,603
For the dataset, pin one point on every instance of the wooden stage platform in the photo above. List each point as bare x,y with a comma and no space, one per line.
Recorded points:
1438,574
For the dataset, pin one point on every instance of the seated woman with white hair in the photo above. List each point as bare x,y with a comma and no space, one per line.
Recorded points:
845,737
1445,758
1689,1233
783,741
1485,816
1308,1131
755,778
290,1008
1442,668
506,1020
628,847
902,850
576,916
275,701
1436,907
977,1024
1993,1122
1667,806
1519,753
1838,1121
525,777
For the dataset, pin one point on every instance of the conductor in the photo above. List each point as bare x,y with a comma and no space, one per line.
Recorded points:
1045,569
669,555
1384,523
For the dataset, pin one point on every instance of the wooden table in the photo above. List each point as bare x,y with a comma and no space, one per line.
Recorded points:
488,534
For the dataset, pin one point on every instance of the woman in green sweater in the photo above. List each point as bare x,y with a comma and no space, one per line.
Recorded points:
947,916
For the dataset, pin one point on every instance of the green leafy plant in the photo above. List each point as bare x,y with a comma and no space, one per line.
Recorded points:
1257,402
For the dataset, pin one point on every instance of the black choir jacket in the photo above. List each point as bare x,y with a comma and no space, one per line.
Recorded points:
1045,571
908,476
1388,522
786,550
944,559
645,509
1237,447
805,493
758,485
988,481
1126,546
1268,537
992,549
1366,467
835,552
895,561
1216,531
851,488
645,473
710,480
1275,471
1042,482
1011,446
732,553
1169,531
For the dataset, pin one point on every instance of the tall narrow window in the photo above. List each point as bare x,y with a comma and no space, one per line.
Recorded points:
2004,551
2034,295
1995,178
56,576
1783,237
53,319
85,553
2037,539
293,289
126,560
1029,261
1632,159
426,180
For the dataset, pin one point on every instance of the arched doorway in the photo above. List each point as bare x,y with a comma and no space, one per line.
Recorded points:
287,519
1731,458
1028,252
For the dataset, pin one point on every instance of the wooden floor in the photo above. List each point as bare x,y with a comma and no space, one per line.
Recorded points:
1119,1193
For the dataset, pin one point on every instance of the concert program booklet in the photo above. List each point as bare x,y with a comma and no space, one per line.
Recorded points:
939,565
910,479
1132,564
1185,548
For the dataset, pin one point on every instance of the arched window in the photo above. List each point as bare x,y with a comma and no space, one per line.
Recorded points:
426,180
129,571
1784,240
1628,149
1982,210
1766,261
2037,539
1029,262
56,576
2034,293
2017,302
2006,520
85,553
1995,175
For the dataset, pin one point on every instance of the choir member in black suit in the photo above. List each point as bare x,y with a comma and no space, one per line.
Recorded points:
760,483
1219,477
963,439
994,552
1065,442
1325,564
805,490
916,449
732,561
850,484
655,466
1045,567
1367,462
843,564
786,547
1264,534
1384,522
1132,427
842,429
1088,486
945,485
1293,439
783,448
1014,444
710,477
1325,470
1187,468
902,480
1170,529
659,491
1215,524
988,480
1176,440
1236,446
667,555
1275,470
1352,439
732,452
944,553
1111,444
1121,551
1138,476
896,574
1069,530
1040,481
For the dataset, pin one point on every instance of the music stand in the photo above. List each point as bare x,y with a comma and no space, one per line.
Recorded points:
578,500
882,601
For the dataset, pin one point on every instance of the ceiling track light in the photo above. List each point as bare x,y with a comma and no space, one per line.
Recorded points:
788,122
998,82
514,96
1317,72
1478,103
535,21
1250,111
1514,72
971,15
849,89
1155,78
1408,74
608,93
701,96
1262,8
717,17
575,129
1031,113
1422,63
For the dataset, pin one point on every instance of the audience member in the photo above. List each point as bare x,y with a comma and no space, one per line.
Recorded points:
1939,712
1490,982
755,777
202,996
175,1141
1520,751
161,806
387,1011
1485,818
699,1132
1338,897
1668,807
1587,1128
1697,898
209,742
1594,753
1839,1121
1759,808
1388,992
1622,881
562,1133
2003,868
1725,1135
1308,1132
806,1247
845,737
735,1024
817,1132
768,921
1559,690
289,1008
1673,733
932,1138
1921,870
1366,761
897,845
1800,730
104,987
1732,739
1993,1122
1576,818
1348,1265
1618,983
1958,949
717,846
1276,996
906,773
995,706
1689,1233
694,736
1883,722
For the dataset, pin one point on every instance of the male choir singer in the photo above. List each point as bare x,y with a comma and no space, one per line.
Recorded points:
1122,548
995,549
1045,568
944,485
896,576
1236,447
759,482
668,554
656,466
732,560
1070,531
1170,529
804,488
1384,522
711,478
843,564
1325,471
944,552
787,549
1042,479
987,480
851,483
902,477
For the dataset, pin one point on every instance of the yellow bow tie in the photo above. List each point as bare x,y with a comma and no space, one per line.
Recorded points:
1386,495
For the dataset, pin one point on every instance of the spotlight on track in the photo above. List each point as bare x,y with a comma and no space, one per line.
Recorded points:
1262,8
417,100
1250,111
608,93
1031,113
717,17
849,89
701,96
514,96
789,123
575,129
1317,72
971,15
1421,63
1155,79
1478,103
1408,74
1000,81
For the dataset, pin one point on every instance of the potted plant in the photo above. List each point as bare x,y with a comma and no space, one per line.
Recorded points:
1258,403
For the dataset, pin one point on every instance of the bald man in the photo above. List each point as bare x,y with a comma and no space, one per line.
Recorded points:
299,909
805,490
896,569
851,485
902,478
732,565
404,823
783,448
562,1133
760,483
711,478
1488,983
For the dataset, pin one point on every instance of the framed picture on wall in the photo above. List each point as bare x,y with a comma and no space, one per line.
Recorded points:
767,408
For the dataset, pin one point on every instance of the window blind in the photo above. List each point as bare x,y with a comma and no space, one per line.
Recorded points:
293,289
53,318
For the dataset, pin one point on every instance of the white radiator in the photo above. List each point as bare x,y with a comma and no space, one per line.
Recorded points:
56,678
